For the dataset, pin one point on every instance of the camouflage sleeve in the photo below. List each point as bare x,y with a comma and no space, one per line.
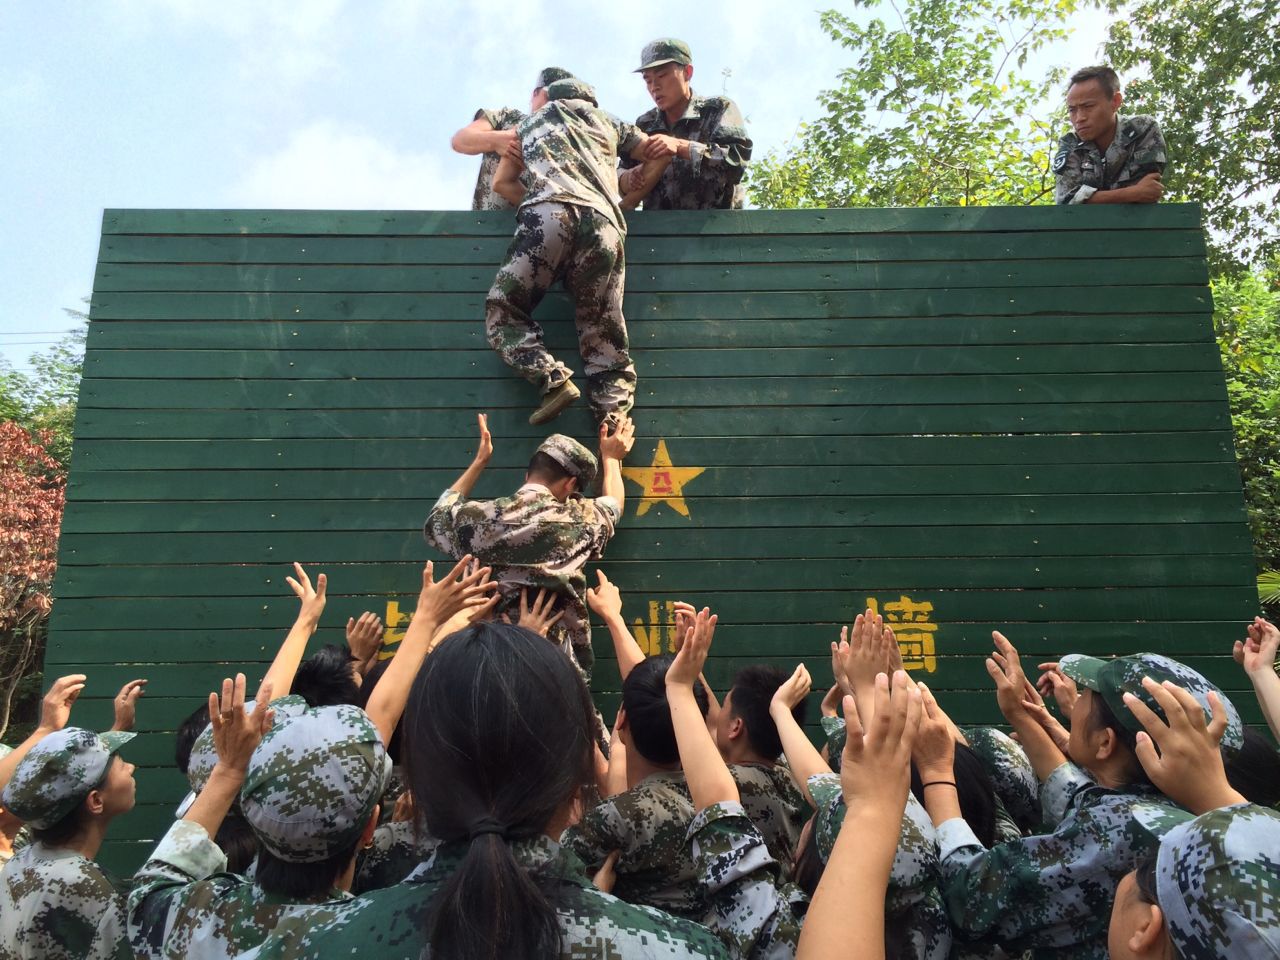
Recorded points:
1059,790
836,734
184,856
629,137
727,148
607,513
602,830
504,118
1069,185
740,881
1148,154
1011,773
440,530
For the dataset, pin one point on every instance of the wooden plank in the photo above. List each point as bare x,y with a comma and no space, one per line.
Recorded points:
834,511
1036,641
856,573
243,483
444,436
687,363
793,248
746,542
982,301
647,278
226,334
1164,216
482,394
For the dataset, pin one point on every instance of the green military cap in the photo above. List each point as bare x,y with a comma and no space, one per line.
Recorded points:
1218,884
666,50
59,772
1112,679
549,75
571,88
573,456
204,756
313,782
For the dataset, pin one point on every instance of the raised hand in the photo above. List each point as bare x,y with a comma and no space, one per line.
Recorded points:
605,598
237,733
1005,668
934,750
125,705
607,875
364,636
1053,682
793,691
1258,652
484,451
55,709
1188,765
686,667
538,617
462,587
876,766
312,598
616,445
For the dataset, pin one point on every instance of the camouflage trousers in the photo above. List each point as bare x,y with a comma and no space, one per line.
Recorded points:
561,241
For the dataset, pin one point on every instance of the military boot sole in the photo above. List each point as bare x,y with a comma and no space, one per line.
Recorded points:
555,403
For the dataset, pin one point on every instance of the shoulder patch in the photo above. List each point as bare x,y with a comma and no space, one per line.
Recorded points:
1060,160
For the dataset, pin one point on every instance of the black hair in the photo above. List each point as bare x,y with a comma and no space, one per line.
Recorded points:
301,882
499,736
1253,769
543,466
1146,878
644,697
188,731
324,679
808,863
1101,715
1106,77
753,689
63,832
366,691
975,791
237,842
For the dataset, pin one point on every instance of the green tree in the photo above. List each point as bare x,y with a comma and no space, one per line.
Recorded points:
1209,70
43,400
934,110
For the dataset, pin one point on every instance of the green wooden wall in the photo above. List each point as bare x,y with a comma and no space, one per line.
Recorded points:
975,418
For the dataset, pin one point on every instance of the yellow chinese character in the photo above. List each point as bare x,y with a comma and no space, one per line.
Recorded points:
394,622
662,621
910,623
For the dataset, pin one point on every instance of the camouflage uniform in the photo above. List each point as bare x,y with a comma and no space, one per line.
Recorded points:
649,823
396,849
719,148
1082,169
308,793
1016,786
914,915
1218,883
592,924
775,805
533,540
504,118
569,227
55,903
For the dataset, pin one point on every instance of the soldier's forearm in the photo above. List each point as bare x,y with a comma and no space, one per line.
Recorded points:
465,483
611,481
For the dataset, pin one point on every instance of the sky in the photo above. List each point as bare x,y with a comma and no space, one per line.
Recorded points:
331,104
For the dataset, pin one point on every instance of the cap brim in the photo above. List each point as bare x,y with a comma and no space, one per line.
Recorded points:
115,739
654,63
1083,670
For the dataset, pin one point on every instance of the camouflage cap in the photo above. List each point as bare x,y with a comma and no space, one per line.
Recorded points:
313,783
1112,679
204,756
571,88
59,772
573,456
666,50
549,75
1218,883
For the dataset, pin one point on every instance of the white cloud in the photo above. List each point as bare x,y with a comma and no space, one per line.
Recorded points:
324,165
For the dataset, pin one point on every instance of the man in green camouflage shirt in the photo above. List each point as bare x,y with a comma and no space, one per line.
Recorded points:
310,793
56,903
543,535
569,227
489,135
1108,158
706,137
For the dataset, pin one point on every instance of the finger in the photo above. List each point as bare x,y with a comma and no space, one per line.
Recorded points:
458,571
264,693
601,579
322,583
556,619
301,574
1147,755
1218,725
997,674
1237,652
237,696
1150,720
1176,714
540,602
505,619
1192,711
351,624
69,680
228,690
213,708
428,575
854,733
524,602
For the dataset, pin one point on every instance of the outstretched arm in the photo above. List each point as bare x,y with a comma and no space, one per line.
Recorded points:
55,712
614,448
606,600
285,665
705,772
484,451
235,735
1005,668
802,756
478,137
1257,655
638,182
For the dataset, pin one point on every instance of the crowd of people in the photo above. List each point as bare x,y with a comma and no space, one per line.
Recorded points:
464,798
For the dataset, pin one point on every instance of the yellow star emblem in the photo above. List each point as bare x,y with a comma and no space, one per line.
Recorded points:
662,482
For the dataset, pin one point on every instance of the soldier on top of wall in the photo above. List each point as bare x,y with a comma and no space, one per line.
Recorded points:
705,136
1108,158
489,135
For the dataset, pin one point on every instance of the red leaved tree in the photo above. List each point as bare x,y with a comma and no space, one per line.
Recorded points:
32,495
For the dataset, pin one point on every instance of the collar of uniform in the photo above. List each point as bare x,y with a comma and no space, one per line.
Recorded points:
535,487
656,118
693,109
539,853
